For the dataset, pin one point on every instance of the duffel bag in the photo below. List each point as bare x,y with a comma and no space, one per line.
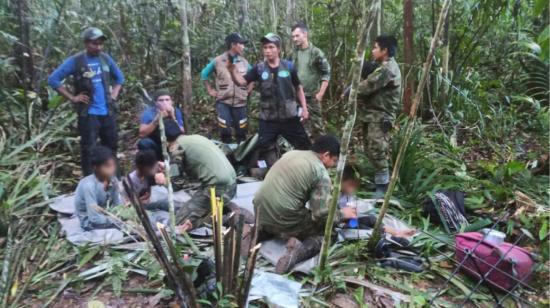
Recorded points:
505,264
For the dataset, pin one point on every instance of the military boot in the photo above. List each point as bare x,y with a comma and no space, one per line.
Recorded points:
297,251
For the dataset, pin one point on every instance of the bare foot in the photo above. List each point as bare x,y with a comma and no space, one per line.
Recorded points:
186,226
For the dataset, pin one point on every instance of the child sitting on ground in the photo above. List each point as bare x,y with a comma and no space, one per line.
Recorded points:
148,173
350,185
99,189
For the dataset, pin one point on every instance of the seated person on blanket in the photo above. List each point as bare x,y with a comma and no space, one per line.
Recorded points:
149,127
348,198
297,178
99,189
148,173
201,161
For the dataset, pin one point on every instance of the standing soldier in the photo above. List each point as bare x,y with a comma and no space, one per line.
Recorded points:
314,74
279,88
380,94
97,83
231,99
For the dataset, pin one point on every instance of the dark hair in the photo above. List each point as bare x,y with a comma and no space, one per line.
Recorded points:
302,26
326,143
145,158
349,174
388,42
100,155
172,130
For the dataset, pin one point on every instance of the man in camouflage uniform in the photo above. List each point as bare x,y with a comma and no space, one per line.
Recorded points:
314,74
380,95
201,161
299,177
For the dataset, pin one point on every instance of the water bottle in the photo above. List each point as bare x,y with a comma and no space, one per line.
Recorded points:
353,223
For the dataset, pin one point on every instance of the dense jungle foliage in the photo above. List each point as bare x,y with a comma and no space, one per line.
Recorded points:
483,129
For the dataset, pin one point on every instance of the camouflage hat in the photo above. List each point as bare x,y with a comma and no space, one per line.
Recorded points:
271,38
159,93
93,33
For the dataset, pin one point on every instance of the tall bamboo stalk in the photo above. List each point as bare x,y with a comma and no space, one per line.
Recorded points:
410,123
166,157
366,26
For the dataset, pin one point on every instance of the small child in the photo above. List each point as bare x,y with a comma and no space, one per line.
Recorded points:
148,173
350,185
99,189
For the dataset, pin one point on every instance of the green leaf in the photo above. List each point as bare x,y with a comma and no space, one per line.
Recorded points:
543,232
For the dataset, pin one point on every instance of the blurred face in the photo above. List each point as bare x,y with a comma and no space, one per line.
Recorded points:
299,37
107,170
164,102
237,48
350,187
379,54
270,51
94,47
328,160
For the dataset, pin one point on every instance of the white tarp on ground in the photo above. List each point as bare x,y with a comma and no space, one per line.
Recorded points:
271,250
70,225
275,290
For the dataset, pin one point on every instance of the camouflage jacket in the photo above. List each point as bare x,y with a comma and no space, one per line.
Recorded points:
312,66
299,177
380,93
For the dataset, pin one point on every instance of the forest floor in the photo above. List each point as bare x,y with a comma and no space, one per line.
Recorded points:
138,283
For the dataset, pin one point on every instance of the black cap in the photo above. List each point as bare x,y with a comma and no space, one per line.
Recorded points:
159,93
235,38
93,33
271,38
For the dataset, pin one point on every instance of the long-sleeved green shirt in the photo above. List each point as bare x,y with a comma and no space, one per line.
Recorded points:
380,92
297,178
312,67
203,161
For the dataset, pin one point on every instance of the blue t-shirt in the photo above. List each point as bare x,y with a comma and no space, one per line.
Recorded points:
98,103
150,113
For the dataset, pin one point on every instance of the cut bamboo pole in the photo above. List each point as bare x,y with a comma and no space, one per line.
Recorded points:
158,249
180,271
166,157
366,26
248,273
409,126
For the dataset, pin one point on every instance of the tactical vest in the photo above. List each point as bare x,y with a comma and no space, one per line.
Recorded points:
83,84
277,93
228,92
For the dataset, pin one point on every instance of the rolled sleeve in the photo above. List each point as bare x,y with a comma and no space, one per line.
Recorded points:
320,198
67,68
324,67
207,70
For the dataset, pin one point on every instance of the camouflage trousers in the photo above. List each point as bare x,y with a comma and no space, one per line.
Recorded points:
198,208
315,125
377,142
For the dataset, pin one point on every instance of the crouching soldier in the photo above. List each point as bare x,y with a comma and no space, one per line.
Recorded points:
380,95
99,189
297,178
201,161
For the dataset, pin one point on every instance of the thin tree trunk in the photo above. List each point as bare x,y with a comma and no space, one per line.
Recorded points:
408,53
243,6
22,49
366,26
186,60
444,86
410,123
274,21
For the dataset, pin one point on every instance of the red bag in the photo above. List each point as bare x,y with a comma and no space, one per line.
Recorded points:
514,267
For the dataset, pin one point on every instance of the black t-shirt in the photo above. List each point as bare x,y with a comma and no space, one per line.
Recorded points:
254,75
